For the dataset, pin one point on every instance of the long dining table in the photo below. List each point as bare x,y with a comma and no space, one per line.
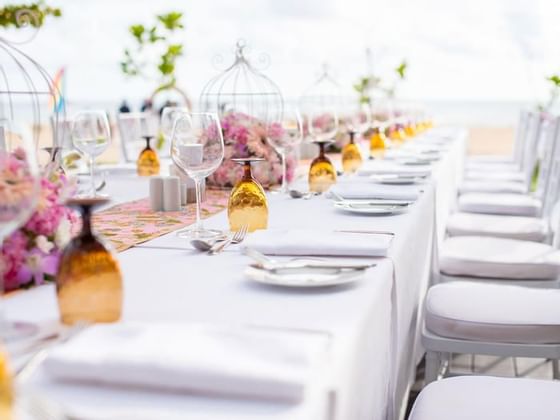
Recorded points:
373,324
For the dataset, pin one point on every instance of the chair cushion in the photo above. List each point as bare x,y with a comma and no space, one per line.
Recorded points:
510,204
490,159
488,398
495,175
512,227
498,258
493,312
492,167
512,187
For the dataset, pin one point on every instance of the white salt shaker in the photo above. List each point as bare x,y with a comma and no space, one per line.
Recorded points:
171,194
156,193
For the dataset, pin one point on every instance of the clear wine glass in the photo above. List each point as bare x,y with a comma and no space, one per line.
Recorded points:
91,135
19,193
197,148
168,117
285,136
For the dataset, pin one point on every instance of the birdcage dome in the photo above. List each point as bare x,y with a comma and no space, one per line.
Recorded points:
242,88
26,89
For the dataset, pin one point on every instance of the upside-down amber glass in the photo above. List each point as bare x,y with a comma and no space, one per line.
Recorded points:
148,161
6,390
410,129
247,203
351,156
89,280
322,173
377,143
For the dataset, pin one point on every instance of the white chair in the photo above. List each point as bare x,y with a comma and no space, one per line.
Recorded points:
513,176
529,205
517,227
488,398
499,320
486,161
515,171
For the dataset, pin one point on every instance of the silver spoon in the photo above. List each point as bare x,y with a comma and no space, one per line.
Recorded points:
304,195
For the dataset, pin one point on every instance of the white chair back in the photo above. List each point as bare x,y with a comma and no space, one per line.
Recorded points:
130,132
2,139
548,140
552,194
520,136
529,157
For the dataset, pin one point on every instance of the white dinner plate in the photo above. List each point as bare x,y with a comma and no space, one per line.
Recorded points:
304,278
370,208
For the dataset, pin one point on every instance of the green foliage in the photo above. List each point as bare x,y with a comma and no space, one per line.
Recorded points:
554,79
159,37
39,10
401,69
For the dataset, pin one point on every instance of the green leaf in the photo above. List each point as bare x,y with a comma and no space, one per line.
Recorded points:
171,20
555,79
401,69
137,31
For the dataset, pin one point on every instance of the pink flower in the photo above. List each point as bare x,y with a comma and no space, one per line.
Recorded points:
38,264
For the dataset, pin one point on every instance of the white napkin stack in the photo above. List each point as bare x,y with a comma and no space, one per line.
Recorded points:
244,362
393,168
319,243
365,190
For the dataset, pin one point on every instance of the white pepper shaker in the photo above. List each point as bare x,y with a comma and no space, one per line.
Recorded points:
171,194
156,193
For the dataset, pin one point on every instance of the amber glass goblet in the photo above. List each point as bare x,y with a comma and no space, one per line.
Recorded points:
89,280
247,203
351,156
148,160
322,173
377,142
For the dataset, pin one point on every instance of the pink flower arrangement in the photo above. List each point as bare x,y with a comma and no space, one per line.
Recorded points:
246,136
30,255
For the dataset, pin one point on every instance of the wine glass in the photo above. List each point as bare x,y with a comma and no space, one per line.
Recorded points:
91,136
197,148
19,193
168,117
284,137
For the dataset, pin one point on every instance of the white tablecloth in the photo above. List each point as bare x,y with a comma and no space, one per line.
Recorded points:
373,324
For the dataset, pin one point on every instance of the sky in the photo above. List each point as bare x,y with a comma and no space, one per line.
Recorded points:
457,50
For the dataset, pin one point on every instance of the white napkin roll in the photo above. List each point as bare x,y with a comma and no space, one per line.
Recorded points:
388,167
364,190
225,361
319,243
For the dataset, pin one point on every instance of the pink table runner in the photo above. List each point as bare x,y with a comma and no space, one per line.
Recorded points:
133,223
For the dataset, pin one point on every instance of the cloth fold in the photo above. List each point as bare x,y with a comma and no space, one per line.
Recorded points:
319,243
366,190
243,362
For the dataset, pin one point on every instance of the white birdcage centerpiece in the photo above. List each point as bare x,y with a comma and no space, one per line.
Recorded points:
250,107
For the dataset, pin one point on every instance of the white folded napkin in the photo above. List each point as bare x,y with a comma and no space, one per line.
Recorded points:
389,167
229,361
365,190
319,243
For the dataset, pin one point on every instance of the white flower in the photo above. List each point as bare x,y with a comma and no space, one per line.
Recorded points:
62,234
44,244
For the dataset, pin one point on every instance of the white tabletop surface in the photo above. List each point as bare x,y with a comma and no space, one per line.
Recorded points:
373,323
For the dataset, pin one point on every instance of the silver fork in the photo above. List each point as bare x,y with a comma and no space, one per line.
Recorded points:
237,238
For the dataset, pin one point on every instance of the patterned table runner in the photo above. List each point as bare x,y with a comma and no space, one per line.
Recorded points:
133,223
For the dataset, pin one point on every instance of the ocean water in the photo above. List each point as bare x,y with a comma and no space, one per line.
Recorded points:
466,113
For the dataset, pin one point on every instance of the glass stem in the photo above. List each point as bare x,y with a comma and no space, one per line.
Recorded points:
198,225
91,168
284,174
